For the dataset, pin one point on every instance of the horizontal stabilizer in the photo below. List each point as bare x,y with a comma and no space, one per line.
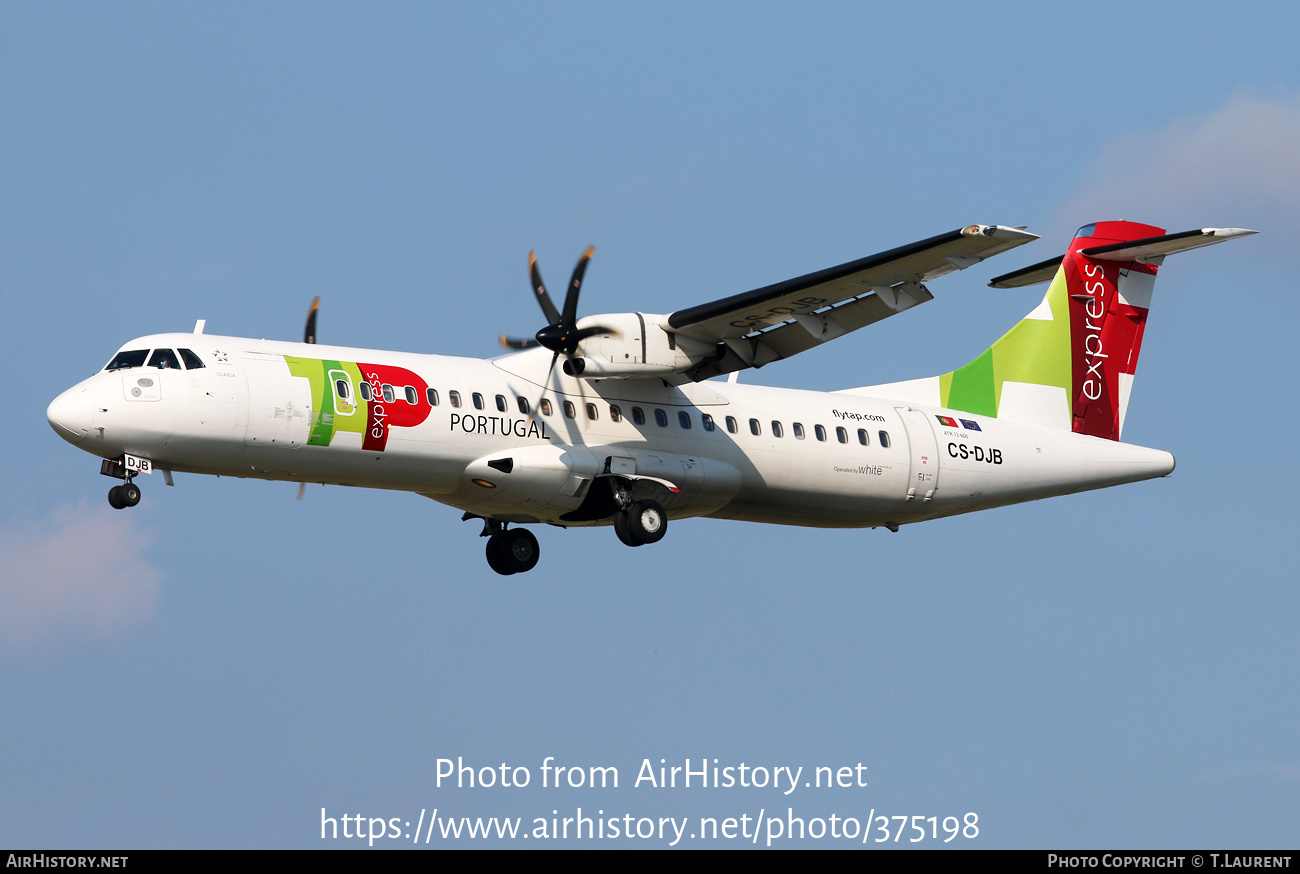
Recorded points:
1043,271
1157,247
1142,250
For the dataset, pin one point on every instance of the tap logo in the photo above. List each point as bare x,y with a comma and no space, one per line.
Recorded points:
385,396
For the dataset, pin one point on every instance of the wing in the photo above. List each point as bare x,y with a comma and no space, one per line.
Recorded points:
777,321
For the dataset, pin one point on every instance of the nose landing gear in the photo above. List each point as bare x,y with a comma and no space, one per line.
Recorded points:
128,493
125,495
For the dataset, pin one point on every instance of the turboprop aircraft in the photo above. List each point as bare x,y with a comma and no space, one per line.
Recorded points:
631,430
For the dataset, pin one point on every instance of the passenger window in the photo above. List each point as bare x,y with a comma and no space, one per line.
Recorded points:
454,397
863,438
388,392
842,435
798,431
732,426
638,416
123,360
546,406
191,360
344,405
478,401
661,418
501,404
707,421
777,430
615,414
164,359
364,391
755,428
432,395
522,403
884,439
591,412
684,419
820,432
568,410
411,397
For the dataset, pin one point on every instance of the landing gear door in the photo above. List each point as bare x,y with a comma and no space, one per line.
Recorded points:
923,454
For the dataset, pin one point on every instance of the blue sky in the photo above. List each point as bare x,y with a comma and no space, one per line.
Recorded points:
1112,669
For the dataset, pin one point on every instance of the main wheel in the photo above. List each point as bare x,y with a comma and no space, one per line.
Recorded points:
520,549
130,494
115,498
496,555
646,521
620,528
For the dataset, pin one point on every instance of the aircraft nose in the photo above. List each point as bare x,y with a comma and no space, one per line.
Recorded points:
71,414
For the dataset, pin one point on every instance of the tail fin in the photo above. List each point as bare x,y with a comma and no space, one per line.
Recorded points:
1070,363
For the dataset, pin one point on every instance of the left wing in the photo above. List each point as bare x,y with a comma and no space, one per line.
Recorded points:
777,321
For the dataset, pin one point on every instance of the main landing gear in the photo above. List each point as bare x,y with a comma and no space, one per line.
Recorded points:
516,551
641,522
509,550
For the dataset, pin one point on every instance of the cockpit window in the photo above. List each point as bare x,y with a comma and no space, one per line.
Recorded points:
123,360
192,361
164,359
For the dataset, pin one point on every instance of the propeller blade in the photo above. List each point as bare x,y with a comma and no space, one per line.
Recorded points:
516,343
302,487
309,335
539,288
575,284
532,414
593,330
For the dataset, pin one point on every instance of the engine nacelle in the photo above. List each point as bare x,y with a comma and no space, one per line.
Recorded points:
636,346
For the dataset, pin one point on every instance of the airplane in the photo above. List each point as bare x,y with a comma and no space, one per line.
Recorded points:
633,428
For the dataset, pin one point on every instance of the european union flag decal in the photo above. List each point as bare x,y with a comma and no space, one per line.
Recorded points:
969,425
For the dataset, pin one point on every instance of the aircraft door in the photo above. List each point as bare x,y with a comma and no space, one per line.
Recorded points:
345,396
923,454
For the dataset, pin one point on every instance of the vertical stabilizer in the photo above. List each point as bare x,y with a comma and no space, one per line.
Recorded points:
1070,363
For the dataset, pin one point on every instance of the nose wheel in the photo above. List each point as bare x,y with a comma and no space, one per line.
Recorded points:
125,495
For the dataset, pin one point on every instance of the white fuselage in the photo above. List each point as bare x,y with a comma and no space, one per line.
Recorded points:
831,459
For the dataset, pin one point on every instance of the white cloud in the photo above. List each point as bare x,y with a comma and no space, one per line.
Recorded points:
80,572
1236,167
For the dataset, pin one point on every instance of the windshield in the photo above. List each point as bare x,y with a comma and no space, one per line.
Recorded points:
134,358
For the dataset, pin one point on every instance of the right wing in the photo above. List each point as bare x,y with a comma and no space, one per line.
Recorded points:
777,321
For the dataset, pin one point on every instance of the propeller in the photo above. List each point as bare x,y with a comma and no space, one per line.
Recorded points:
309,336
561,334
